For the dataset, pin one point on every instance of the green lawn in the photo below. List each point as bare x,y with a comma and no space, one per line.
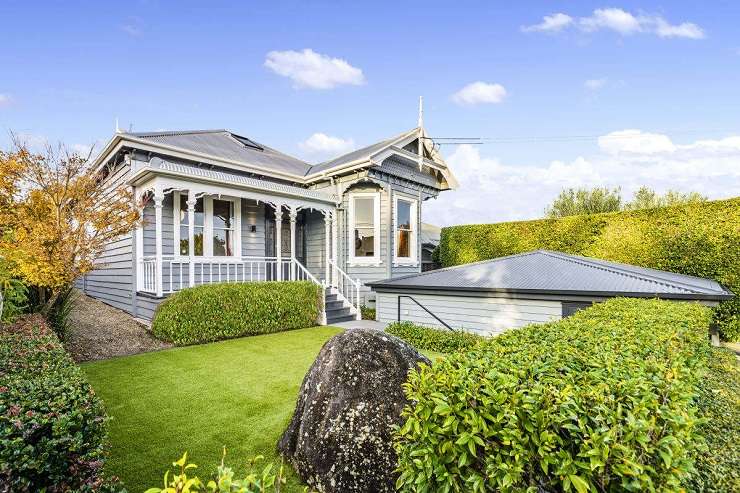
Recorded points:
238,393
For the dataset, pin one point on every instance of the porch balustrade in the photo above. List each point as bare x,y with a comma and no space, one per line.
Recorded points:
177,274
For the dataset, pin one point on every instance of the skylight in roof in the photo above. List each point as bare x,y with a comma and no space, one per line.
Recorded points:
247,142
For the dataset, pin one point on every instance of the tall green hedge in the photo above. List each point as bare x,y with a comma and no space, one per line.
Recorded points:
701,239
53,434
221,311
601,401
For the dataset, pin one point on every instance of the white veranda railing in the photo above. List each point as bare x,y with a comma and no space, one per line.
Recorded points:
177,273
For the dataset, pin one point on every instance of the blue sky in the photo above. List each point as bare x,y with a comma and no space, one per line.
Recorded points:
667,73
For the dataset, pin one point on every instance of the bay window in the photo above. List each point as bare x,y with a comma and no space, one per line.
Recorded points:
405,224
364,212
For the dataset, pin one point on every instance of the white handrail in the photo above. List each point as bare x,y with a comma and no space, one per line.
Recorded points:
302,274
347,287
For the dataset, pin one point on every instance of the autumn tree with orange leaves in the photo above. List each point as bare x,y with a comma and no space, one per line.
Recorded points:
56,216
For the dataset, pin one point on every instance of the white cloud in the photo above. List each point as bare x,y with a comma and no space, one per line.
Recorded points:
550,23
5,100
615,19
492,191
595,84
133,27
620,21
479,93
635,142
322,144
313,70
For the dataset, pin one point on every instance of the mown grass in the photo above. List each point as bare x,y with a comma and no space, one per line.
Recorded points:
238,393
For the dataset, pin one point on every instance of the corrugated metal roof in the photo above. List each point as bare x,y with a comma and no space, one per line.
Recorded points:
363,153
548,272
225,144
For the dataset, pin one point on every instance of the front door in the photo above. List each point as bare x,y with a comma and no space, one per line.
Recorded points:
271,237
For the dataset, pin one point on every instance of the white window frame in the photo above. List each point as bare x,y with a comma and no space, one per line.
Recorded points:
413,259
208,228
375,259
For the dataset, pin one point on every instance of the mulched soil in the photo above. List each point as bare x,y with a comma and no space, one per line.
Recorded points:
99,331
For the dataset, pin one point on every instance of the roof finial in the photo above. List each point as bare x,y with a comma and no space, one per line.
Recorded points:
421,111
118,130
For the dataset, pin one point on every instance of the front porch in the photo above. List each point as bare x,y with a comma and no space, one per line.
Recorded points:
198,233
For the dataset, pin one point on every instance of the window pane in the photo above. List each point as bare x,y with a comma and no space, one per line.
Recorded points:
222,243
184,235
404,244
364,242
403,213
184,246
223,214
184,210
198,241
364,212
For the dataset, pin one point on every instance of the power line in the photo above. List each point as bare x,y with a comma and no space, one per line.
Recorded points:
558,138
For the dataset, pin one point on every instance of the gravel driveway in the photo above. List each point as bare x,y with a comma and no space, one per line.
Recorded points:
99,331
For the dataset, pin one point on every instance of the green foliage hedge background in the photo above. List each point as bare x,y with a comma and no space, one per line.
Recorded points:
430,339
701,239
221,311
600,401
52,425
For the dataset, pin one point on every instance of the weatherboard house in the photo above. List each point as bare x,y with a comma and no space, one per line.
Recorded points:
220,207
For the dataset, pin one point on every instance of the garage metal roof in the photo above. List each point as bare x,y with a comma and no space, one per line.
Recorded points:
548,272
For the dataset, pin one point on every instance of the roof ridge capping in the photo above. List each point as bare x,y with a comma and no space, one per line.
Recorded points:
624,270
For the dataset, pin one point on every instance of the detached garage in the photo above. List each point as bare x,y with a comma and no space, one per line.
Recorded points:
494,295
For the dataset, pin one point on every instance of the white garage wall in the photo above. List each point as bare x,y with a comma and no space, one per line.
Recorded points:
487,316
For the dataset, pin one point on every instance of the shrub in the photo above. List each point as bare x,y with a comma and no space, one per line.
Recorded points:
442,341
699,239
52,425
367,312
718,463
255,481
221,311
600,401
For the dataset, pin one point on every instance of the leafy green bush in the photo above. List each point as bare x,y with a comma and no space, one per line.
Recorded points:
718,464
52,425
600,401
221,311
442,341
225,482
699,240
367,312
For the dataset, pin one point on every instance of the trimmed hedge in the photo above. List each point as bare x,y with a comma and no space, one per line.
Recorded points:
718,464
600,401
52,425
700,239
430,339
214,312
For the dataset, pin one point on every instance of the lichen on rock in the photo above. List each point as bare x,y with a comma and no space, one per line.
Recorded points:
340,437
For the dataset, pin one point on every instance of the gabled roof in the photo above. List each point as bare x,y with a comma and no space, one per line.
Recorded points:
235,151
227,145
362,154
555,273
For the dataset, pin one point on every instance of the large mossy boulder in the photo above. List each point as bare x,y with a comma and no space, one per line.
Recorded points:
340,437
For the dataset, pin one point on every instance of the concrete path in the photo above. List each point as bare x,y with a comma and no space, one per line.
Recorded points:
361,324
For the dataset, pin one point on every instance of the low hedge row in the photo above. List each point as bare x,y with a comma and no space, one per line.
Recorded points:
430,339
600,401
718,463
221,311
699,239
52,425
